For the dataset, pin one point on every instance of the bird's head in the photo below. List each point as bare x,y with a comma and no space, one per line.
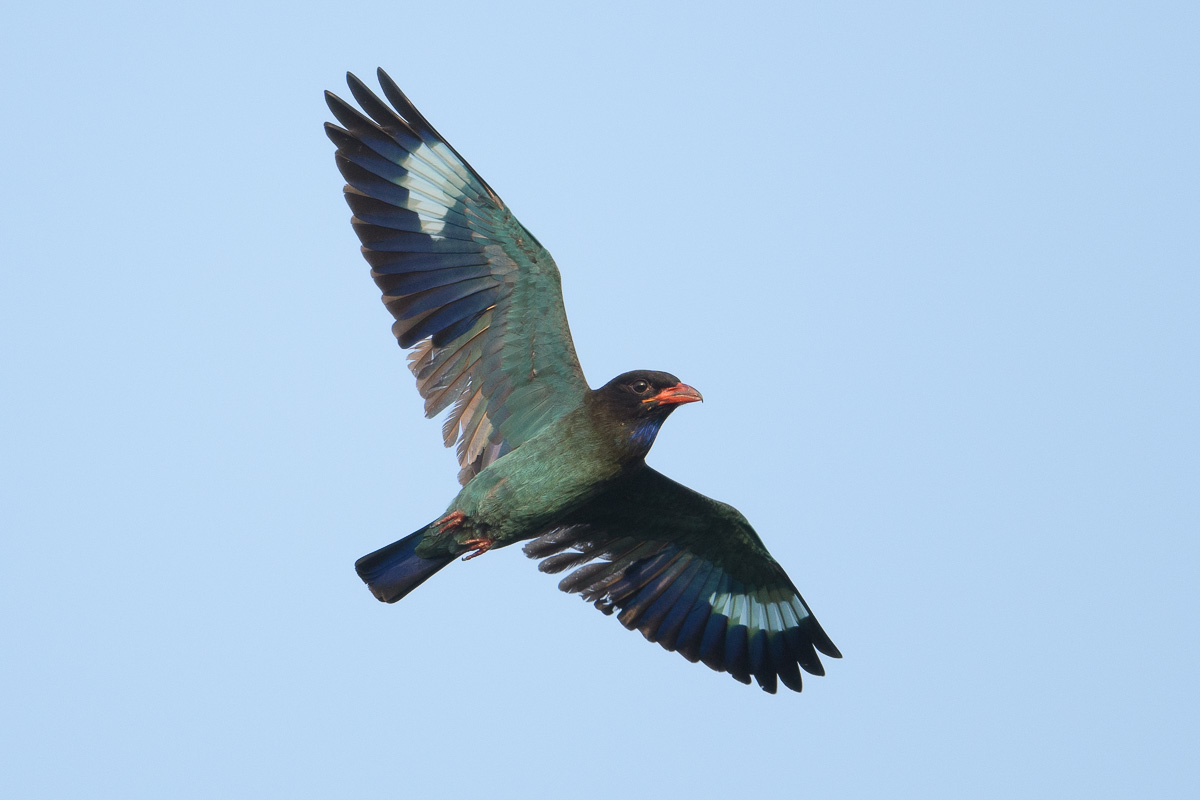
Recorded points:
636,403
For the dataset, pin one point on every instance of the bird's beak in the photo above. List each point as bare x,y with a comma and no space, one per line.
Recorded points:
674,395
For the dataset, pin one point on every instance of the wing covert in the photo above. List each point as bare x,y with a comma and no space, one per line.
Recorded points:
691,574
472,291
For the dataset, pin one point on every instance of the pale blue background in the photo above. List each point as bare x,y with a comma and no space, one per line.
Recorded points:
933,265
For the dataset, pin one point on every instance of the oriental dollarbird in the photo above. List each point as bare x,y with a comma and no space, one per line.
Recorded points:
545,459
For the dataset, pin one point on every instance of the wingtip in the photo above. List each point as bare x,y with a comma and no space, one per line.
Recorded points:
389,86
358,87
335,104
824,644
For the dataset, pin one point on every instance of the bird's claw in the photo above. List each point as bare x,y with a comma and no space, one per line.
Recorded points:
450,521
480,544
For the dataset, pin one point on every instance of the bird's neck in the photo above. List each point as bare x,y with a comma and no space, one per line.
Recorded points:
625,439
642,433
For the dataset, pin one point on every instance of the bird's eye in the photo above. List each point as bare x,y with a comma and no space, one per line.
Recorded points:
640,386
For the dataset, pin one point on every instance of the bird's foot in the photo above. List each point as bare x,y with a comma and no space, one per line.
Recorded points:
450,521
480,544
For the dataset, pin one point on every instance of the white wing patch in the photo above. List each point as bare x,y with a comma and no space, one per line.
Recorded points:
427,176
757,613
433,227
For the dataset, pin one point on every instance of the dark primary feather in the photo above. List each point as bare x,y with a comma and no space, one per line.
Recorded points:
689,573
471,290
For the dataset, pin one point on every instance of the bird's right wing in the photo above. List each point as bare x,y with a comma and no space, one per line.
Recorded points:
473,291
689,573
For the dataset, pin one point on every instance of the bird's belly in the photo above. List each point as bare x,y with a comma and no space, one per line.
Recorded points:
519,495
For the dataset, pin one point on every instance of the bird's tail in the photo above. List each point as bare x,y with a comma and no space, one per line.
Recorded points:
394,571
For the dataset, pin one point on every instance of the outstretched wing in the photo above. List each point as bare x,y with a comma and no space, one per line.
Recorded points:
473,291
691,574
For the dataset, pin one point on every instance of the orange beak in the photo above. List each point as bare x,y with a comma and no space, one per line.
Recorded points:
673,395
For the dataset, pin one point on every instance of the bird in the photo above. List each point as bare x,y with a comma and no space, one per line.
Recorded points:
545,459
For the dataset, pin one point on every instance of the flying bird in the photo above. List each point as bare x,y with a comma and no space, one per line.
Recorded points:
544,458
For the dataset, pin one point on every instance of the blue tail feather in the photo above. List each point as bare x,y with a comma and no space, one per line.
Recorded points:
394,571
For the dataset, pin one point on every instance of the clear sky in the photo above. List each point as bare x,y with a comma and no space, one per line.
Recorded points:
934,267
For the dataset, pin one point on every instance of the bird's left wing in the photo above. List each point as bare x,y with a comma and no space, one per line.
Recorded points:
689,573
471,289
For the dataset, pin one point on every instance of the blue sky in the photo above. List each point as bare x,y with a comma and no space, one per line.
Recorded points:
933,266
